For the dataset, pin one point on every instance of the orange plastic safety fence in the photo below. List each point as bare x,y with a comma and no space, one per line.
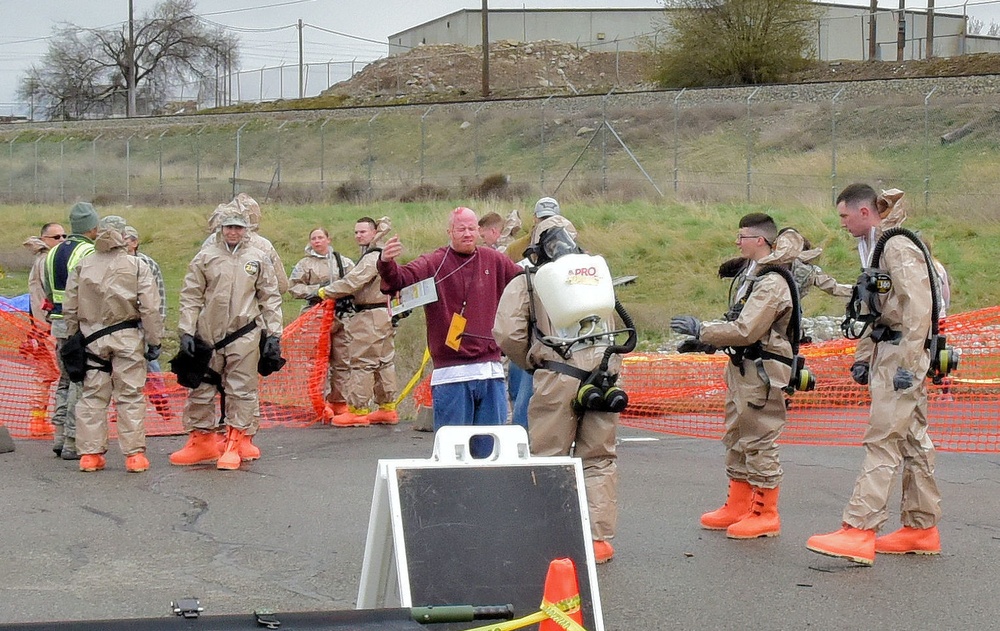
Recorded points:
29,374
677,394
685,394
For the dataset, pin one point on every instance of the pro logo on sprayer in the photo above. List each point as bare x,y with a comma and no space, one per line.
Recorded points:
583,276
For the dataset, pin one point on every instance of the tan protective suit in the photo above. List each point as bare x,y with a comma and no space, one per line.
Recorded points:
755,406
222,291
36,276
897,424
553,425
107,288
309,274
372,337
808,275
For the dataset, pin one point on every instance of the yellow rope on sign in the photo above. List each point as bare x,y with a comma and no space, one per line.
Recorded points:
412,383
552,611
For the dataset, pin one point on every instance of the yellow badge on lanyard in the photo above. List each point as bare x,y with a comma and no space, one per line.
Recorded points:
455,330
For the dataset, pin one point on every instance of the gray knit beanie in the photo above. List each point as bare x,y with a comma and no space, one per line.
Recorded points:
82,217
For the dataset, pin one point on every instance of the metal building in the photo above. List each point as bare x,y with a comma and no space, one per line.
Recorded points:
842,31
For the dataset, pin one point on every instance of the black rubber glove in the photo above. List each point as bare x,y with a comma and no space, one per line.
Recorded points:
686,325
694,346
272,347
859,372
187,344
902,380
152,353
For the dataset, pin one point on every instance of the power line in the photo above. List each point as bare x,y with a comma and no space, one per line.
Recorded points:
266,6
360,39
244,29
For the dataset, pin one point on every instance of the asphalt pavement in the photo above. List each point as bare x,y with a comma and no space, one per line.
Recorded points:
287,533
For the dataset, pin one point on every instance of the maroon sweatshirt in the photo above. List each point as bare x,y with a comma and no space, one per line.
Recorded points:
469,284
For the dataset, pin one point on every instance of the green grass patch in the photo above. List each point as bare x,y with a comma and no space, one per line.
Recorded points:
675,249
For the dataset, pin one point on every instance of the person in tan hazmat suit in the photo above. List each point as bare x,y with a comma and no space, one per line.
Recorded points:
230,290
557,425
251,210
51,235
892,358
756,336
321,265
372,376
112,299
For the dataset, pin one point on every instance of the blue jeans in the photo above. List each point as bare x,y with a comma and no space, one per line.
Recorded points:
479,402
519,387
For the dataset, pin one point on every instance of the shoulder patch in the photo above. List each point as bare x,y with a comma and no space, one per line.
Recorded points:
252,268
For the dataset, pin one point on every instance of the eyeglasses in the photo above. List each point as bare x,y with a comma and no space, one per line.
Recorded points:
740,237
57,237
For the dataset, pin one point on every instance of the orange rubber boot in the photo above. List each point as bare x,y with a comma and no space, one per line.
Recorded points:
248,450
736,506
909,540
331,410
853,544
762,520
385,415
202,447
91,462
230,459
603,552
137,462
350,419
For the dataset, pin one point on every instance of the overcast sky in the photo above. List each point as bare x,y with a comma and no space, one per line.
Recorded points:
267,28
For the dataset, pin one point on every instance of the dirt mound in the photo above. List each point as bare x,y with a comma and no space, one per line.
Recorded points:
448,72
452,72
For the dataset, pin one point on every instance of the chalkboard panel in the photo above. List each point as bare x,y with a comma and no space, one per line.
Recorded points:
486,535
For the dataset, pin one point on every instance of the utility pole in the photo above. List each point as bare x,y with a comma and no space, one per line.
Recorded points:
901,31
131,60
930,28
873,31
301,76
486,49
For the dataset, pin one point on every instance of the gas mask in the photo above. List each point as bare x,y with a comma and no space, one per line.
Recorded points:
552,244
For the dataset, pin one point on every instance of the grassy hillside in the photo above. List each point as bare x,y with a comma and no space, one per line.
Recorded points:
675,249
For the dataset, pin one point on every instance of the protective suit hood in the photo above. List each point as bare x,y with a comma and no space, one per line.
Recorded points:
555,221
250,208
382,228
311,252
787,248
108,239
890,209
35,245
227,211
511,226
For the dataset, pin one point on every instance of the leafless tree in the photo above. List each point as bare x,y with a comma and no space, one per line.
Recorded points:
85,71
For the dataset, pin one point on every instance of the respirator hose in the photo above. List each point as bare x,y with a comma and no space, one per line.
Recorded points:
630,342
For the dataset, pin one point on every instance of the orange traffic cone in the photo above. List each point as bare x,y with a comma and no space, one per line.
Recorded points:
561,599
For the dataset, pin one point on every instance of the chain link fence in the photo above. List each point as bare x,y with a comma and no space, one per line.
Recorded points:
936,139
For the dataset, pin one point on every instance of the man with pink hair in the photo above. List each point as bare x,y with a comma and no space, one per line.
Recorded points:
468,381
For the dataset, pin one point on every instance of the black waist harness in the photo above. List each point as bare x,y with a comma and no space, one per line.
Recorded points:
78,360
